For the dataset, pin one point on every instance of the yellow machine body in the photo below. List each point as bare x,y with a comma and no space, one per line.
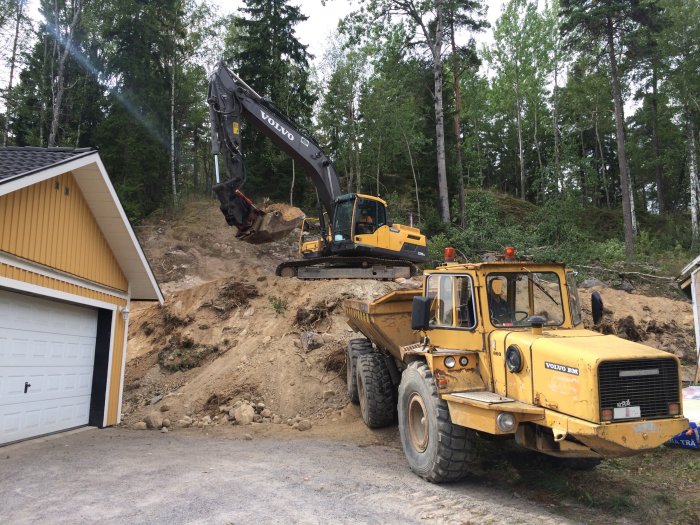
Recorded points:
573,392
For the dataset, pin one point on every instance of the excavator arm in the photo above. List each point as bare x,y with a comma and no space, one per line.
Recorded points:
230,99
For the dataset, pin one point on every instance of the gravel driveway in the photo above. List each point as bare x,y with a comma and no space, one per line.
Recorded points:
126,476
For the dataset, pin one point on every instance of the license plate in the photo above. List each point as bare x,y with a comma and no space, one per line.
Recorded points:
627,412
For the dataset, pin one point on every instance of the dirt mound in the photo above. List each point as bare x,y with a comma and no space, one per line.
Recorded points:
227,340
660,322
232,333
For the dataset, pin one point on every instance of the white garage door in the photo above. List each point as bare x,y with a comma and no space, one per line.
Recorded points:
47,352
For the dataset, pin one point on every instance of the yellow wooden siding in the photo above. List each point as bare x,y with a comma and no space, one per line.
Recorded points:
18,274
43,224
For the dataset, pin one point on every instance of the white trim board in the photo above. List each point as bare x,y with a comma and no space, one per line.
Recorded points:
52,273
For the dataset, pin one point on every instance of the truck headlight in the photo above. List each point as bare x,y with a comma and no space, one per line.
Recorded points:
450,362
674,409
505,421
514,359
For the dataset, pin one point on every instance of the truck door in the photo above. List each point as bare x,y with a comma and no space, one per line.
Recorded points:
454,312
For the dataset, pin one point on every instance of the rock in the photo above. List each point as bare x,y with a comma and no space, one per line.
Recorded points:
249,312
184,423
266,412
223,409
267,420
206,420
328,394
311,341
260,406
164,430
276,419
626,286
267,339
244,414
400,280
164,407
200,424
257,418
303,425
155,399
166,423
187,419
592,282
248,437
154,420
290,422
141,425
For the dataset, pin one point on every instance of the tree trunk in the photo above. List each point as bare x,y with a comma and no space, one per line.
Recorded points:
627,201
555,118
415,179
13,59
457,124
291,188
172,131
602,160
521,156
60,80
693,170
658,168
440,119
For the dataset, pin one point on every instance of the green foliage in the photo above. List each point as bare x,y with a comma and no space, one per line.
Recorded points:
279,304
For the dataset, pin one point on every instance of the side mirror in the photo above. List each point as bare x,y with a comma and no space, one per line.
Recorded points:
596,307
420,315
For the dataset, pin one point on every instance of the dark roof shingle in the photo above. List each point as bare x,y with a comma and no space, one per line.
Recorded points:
15,161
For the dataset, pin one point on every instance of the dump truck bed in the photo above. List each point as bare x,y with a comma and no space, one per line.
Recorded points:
386,321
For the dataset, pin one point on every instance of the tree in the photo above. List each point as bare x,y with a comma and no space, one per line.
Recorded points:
603,23
425,26
270,59
13,11
682,46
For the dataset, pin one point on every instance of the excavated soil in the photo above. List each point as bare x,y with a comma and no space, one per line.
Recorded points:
230,332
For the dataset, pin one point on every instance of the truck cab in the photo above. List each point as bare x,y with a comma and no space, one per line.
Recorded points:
498,348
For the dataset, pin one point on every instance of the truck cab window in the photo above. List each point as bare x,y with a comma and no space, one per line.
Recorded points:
574,300
515,296
453,304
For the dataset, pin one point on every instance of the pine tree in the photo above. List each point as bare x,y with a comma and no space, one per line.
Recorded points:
271,60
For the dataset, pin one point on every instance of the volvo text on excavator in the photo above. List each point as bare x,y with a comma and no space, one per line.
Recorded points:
357,239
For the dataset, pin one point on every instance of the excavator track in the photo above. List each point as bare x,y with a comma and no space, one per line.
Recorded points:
340,267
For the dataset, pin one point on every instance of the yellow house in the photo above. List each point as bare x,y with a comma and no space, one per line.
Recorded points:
70,265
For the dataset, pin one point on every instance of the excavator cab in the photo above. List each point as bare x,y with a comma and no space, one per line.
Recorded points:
361,226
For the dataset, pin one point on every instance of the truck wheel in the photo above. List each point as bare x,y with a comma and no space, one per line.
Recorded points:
355,348
375,390
436,449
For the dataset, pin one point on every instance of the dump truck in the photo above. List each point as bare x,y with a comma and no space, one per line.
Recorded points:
498,350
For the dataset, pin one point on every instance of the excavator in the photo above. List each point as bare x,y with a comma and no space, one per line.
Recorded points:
356,238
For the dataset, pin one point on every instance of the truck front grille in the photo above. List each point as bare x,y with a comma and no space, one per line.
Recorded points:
650,384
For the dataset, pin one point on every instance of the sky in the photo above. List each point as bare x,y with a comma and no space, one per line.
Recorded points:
324,16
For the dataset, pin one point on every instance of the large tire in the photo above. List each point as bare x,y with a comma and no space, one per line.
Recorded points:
355,348
436,449
375,391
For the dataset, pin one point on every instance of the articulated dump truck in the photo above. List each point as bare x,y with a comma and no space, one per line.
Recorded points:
499,349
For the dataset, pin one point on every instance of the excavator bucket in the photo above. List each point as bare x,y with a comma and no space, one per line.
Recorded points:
273,224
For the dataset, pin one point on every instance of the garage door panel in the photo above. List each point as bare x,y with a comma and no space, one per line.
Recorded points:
22,348
33,419
49,346
45,383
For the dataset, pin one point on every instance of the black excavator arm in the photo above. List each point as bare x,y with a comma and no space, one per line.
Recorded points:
231,99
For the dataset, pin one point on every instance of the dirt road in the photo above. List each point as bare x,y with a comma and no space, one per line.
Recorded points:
125,476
